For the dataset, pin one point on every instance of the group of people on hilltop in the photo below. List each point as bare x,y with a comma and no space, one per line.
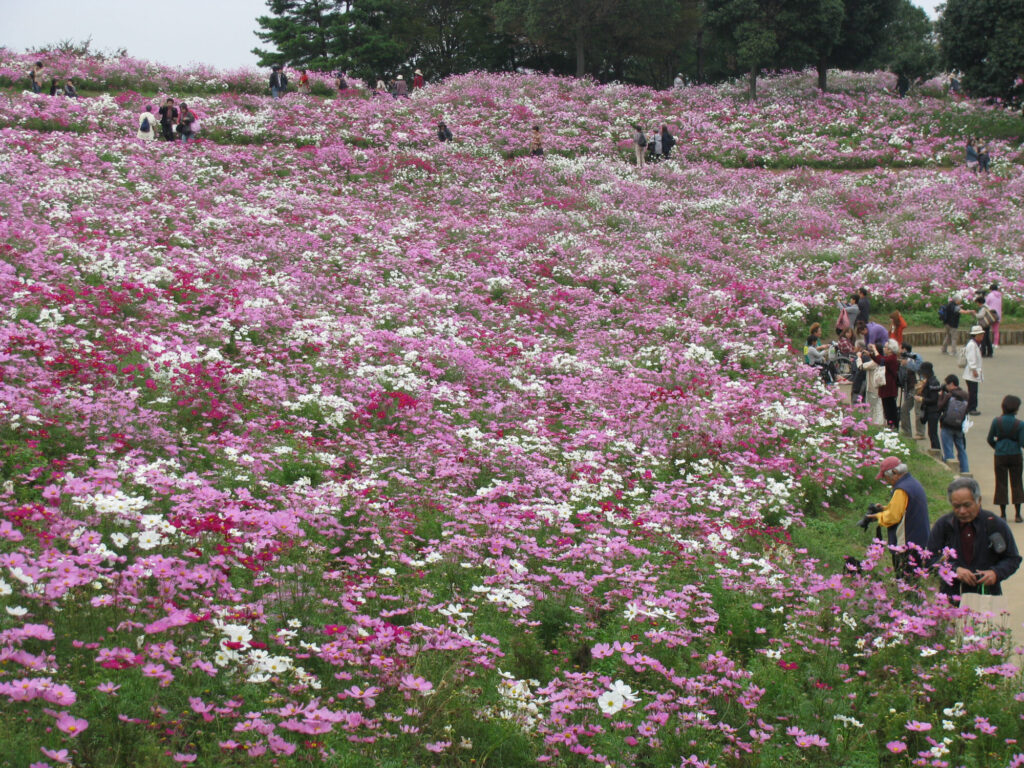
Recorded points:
655,149
398,87
897,384
37,82
172,122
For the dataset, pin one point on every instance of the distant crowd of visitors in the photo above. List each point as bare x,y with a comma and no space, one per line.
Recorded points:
896,384
37,82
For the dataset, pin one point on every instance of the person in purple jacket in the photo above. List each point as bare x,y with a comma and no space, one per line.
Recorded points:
873,333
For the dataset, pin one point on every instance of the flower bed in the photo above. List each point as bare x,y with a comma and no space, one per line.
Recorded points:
346,446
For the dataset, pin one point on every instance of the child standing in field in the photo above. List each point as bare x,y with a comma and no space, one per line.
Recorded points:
304,82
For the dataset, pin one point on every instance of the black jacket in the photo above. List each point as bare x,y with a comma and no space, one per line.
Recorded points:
946,533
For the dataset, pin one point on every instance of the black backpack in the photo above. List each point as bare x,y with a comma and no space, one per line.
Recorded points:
955,414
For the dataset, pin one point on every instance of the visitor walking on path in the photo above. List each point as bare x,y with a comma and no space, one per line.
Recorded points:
994,301
1006,436
972,372
949,314
928,390
910,364
953,405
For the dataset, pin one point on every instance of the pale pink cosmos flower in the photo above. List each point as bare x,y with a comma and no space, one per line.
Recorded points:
896,747
416,684
916,725
60,755
72,726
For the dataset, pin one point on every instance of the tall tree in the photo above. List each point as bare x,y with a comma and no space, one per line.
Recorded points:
302,31
574,24
984,39
763,33
909,46
861,35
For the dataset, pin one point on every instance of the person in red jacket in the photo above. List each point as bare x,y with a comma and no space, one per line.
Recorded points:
417,81
896,326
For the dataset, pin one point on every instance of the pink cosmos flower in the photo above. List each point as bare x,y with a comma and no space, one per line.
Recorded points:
109,688
181,757
60,755
72,726
416,684
915,725
896,747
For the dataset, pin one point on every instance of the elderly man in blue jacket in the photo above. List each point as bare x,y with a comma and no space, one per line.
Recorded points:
905,517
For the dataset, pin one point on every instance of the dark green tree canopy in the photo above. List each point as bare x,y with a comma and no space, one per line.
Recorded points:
984,39
625,40
775,33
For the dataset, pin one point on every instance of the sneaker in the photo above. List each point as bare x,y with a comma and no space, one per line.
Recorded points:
975,413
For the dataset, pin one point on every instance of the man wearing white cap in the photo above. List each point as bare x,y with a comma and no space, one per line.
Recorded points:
972,371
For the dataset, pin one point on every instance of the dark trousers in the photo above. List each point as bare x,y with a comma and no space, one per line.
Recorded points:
972,395
892,412
1009,470
986,343
857,386
932,419
168,129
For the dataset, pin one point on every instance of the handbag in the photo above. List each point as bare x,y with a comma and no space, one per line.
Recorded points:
878,377
844,320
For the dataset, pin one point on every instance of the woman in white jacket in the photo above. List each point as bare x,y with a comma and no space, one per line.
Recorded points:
972,373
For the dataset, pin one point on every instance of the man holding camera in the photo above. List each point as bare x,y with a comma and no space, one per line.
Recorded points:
986,554
905,517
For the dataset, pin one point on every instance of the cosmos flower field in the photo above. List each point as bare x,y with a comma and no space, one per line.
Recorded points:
324,443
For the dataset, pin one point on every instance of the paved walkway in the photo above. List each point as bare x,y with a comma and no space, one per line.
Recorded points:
1004,375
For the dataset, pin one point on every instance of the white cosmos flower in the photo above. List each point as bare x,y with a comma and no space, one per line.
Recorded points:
610,702
623,690
118,539
16,610
150,539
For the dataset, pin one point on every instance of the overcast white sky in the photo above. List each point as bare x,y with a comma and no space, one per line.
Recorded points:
176,32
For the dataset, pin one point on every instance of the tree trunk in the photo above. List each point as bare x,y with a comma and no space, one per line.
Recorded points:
822,74
580,70
700,56
753,82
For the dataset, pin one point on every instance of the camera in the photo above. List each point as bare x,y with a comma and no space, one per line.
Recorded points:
867,520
